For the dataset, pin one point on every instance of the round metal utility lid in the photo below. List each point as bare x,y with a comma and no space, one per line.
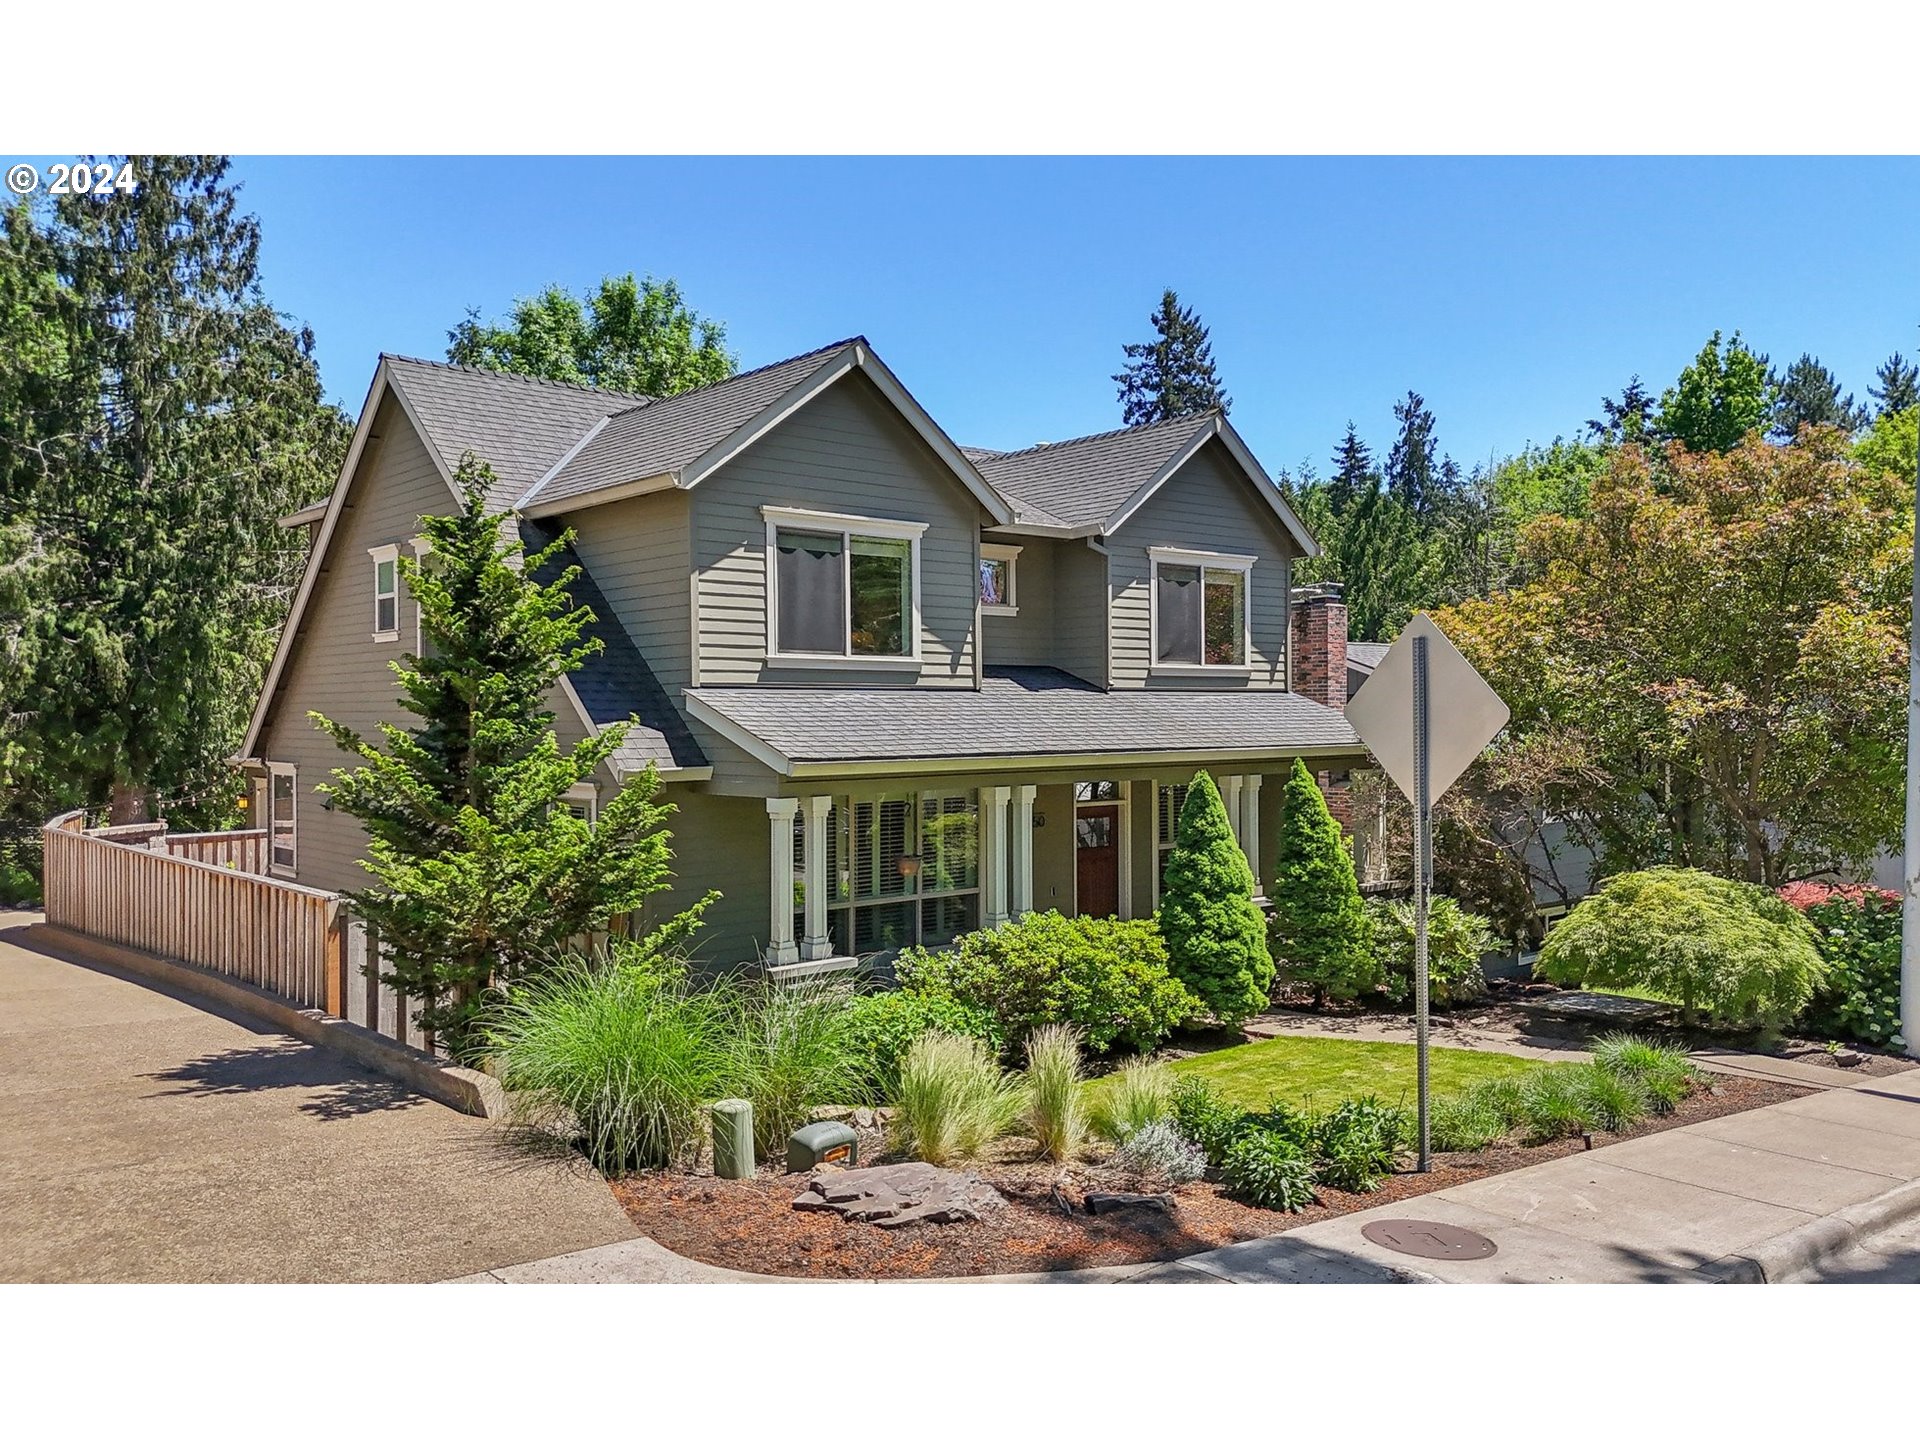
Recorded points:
1429,1240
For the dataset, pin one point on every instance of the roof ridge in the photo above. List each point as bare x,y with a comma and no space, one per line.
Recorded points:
1209,413
493,374
655,402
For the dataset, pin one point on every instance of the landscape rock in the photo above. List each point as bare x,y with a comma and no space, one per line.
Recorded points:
1103,1202
892,1196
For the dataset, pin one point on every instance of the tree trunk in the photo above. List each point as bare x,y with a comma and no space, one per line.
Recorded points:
129,804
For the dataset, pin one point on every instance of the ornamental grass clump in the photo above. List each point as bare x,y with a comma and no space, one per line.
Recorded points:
953,1100
882,1025
1139,1093
1663,1072
1055,1101
791,1048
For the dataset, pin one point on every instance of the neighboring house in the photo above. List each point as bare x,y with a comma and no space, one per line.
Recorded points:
898,689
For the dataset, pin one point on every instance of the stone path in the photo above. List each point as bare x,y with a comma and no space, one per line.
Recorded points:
145,1137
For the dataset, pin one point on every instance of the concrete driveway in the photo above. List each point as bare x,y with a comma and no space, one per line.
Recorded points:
145,1137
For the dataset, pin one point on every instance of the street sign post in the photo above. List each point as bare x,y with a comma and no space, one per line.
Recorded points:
1425,713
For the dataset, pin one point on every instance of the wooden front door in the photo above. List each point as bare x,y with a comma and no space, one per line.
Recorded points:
1096,844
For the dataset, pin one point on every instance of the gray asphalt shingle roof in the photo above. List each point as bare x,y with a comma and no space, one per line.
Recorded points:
1023,710
1366,654
1084,481
518,425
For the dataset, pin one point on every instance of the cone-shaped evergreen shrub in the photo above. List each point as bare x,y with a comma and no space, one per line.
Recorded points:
1318,926
1216,940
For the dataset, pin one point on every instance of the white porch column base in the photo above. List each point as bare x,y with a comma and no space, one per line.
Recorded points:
993,856
815,943
1020,848
780,947
1250,828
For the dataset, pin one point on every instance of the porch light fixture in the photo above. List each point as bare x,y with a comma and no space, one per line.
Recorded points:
909,866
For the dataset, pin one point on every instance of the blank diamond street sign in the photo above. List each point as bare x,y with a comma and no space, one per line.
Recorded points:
1463,712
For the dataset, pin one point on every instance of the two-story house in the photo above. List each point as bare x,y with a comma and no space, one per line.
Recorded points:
899,689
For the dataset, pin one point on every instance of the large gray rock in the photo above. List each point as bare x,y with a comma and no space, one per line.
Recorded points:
893,1196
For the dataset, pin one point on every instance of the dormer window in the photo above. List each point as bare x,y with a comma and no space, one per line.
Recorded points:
999,594
1201,618
386,591
842,589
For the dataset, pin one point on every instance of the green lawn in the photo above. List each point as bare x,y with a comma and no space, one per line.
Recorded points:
1299,1069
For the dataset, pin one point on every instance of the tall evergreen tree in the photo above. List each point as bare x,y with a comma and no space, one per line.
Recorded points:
480,872
1810,395
1898,385
1720,399
1318,925
1353,473
1172,375
1626,420
1216,940
637,336
1413,466
189,417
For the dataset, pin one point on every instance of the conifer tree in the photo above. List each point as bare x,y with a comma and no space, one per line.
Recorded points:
1353,473
1414,475
1318,926
1898,385
1810,395
1172,375
480,873
1216,940
1627,420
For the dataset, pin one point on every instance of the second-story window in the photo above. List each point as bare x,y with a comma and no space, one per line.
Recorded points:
386,591
998,592
842,588
1201,617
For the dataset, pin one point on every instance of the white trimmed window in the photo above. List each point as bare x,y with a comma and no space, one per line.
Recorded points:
422,548
1167,800
1202,616
842,589
902,869
583,803
283,794
999,593
386,591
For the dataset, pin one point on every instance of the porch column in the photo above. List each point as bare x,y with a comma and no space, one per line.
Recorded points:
993,857
1230,793
1250,828
780,947
1020,848
815,944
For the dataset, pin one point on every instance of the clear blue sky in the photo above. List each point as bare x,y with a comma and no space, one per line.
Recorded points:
1511,293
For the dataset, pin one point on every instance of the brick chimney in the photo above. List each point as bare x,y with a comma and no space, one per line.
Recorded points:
1319,635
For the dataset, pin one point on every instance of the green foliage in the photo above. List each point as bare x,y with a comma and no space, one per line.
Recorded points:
1458,941
1262,1168
1858,932
1662,1072
953,1099
1809,394
1719,400
479,872
1107,978
1204,1118
1172,375
1896,385
1889,446
1140,1093
624,1055
1215,937
635,336
1731,954
1471,1120
1317,928
881,1026
1360,1142
791,1048
1056,1107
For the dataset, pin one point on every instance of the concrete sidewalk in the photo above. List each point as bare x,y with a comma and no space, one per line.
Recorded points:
145,1136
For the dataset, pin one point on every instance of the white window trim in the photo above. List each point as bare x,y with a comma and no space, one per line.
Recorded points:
380,554
1010,554
422,547
1158,555
588,795
1153,869
846,526
275,768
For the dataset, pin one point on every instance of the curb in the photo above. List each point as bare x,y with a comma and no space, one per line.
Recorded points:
455,1086
1786,1258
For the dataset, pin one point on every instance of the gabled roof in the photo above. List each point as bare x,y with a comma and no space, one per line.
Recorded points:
1092,485
1022,715
1365,654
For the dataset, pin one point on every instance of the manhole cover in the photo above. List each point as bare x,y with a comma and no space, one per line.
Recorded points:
1429,1239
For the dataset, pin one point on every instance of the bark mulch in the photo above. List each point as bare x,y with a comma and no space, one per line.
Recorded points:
751,1225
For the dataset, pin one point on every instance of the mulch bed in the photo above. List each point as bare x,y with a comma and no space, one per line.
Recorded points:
751,1225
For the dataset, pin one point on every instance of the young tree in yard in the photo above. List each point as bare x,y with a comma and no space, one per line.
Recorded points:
1719,399
632,335
1317,928
1216,940
480,873
1171,375
1719,651
1810,395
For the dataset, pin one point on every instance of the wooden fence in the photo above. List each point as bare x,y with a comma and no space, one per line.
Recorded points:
194,898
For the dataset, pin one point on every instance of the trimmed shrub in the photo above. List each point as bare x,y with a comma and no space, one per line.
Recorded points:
1359,1143
1458,941
1140,1093
1107,978
1204,1118
1858,931
1055,1113
1216,939
625,1058
881,1026
1159,1149
1265,1169
953,1100
791,1049
1663,1072
1318,930
1730,954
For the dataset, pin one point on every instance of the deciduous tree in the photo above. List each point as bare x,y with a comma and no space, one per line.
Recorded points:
1720,399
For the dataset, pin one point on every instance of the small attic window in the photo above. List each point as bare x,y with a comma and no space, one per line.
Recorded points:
386,591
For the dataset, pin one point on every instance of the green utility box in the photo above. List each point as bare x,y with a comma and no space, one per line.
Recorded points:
733,1139
823,1142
